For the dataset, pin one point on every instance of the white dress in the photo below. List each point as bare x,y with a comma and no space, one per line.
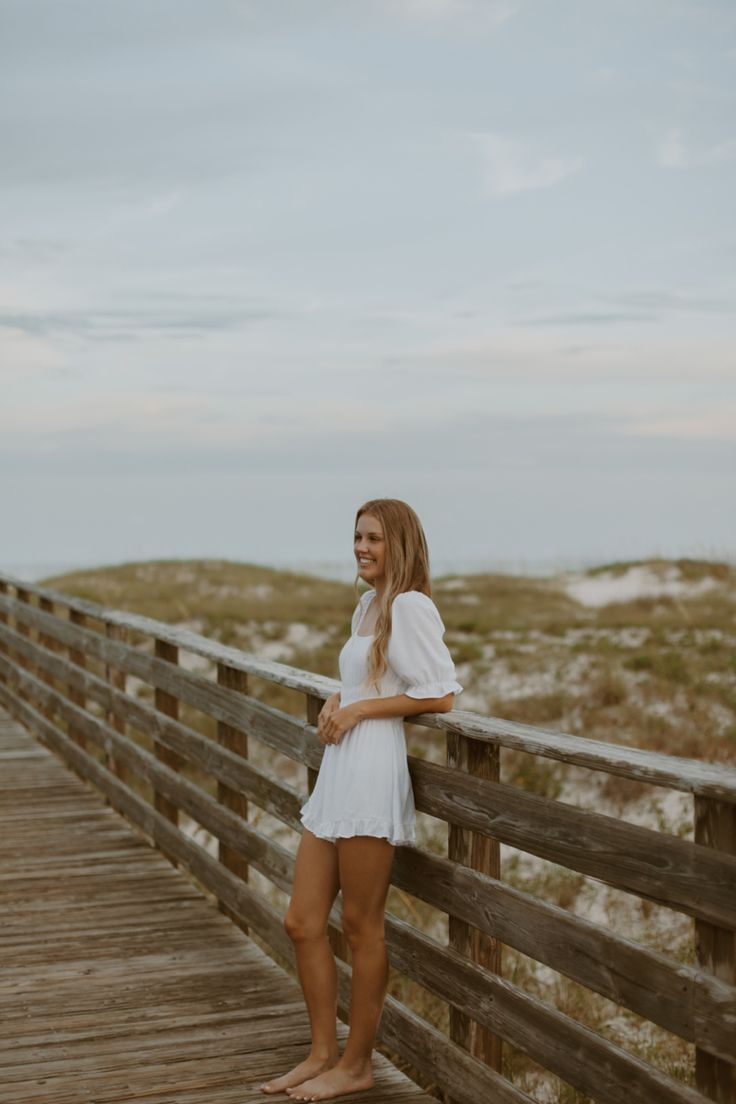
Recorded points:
364,787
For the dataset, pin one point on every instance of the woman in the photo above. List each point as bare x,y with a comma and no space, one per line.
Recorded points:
394,665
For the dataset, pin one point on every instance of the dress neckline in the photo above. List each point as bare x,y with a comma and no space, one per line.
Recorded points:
365,636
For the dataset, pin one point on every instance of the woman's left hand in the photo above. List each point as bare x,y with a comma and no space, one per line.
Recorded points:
332,727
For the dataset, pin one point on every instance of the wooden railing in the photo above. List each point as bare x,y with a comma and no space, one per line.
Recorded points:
63,669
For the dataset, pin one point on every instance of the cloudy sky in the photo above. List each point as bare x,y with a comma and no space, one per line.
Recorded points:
261,260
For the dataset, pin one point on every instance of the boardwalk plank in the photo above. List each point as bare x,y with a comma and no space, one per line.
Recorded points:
119,980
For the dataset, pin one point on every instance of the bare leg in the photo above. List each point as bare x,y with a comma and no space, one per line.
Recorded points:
315,887
365,872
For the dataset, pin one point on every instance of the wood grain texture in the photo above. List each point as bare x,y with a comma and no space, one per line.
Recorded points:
168,704
40,685
22,625
715,826
670,871
483,854
684,1000
47,641
690,775
596,1067
227,767
406,1034
686,876
116,678
580,1056
232,798
120,980
77,662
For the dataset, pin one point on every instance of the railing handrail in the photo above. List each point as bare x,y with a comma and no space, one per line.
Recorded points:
713,780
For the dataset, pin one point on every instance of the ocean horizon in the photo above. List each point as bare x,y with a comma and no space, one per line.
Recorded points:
344,570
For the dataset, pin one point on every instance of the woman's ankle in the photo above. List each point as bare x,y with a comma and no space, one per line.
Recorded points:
325,1052
356,1067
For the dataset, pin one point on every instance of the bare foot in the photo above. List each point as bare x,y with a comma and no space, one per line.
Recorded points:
334,1082
310,1067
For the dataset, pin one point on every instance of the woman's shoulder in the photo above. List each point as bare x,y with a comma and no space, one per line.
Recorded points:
415,615
416,600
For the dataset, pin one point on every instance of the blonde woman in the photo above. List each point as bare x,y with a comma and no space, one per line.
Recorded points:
394,665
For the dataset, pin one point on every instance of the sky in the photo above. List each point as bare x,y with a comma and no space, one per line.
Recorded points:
263,261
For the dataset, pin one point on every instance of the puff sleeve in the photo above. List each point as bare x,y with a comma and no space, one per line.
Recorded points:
416,649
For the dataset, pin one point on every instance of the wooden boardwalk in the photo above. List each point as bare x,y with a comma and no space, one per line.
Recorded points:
119,980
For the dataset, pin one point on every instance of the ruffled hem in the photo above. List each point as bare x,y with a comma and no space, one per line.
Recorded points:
359,826
434,689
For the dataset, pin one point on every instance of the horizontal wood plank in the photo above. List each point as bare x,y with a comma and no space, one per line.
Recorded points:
680,998
469,1078
665,869
679,773
577,1054
179,1008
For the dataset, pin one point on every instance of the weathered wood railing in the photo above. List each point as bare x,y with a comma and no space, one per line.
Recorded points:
63,668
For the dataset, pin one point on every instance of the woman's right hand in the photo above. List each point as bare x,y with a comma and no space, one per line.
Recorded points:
330,706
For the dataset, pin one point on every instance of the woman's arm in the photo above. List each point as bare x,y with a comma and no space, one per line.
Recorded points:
401,705
333,724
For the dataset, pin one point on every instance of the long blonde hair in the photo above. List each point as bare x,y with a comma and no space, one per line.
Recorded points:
406,565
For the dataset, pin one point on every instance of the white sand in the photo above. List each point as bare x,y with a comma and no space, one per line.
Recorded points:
298,637
635,582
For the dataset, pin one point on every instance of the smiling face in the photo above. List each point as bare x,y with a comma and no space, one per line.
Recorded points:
369,545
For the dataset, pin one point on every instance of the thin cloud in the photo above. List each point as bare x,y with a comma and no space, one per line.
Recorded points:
586,318
141,435
635,306
606,74
664,299
521,356
34,249
160,205
475,13
116,324
717,423
672,152
509,166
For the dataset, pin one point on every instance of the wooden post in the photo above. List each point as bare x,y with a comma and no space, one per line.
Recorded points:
79,659
168,704
234,739
48,642
23,596
5,621
116,678
44,638
481,853
338,941
715,948
314,706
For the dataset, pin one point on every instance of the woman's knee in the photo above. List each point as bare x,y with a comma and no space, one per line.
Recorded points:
360,929
299,927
